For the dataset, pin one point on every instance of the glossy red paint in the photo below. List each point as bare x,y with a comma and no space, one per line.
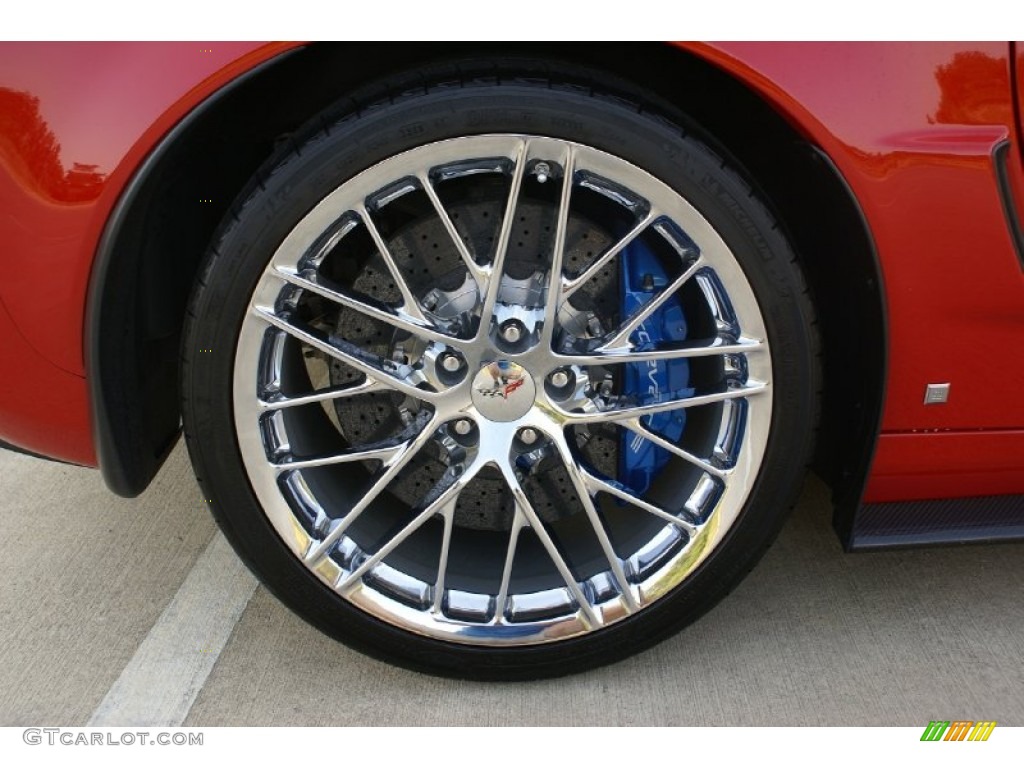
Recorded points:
76,121
91,113
45,409
1017,165
1018,51
939,465
911,128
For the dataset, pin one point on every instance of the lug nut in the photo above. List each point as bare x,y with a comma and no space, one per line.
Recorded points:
451,362
528,436
542,170
559,379
511,331
463,427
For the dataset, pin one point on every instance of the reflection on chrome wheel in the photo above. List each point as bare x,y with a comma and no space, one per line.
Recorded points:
494,390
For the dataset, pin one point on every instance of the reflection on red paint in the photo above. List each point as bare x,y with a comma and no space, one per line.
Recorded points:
31,153
973,88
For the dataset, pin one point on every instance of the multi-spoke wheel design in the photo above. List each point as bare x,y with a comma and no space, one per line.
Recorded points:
488,368
495,400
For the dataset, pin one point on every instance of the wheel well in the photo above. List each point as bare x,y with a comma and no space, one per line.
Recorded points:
151,251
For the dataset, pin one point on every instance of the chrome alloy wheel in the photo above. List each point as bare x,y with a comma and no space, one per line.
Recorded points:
432,390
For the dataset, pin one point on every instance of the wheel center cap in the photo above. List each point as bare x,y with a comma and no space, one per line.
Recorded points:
503,391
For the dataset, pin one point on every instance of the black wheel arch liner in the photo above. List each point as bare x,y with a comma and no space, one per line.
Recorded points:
132,382
135,305
863,412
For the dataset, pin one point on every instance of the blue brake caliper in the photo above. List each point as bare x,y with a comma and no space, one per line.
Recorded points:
642,278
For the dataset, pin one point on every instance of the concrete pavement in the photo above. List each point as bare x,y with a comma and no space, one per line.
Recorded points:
812,637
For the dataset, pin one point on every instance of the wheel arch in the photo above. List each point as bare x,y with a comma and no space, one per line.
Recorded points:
149,254
827,227
152,247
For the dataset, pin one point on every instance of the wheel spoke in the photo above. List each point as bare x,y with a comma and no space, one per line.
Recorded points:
479,275
383,452
279,401
442,560
367,307
410,305
523,504
443,494
639,411
621,338
518,521
685,350
558,250
389,470
634,425
352,356
569,287
497,267
579,483
596,484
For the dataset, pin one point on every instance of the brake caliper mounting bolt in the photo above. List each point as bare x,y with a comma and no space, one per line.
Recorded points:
463,427
528,435
451,362
511,332
542,171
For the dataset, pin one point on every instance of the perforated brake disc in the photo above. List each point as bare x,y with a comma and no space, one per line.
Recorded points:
419,248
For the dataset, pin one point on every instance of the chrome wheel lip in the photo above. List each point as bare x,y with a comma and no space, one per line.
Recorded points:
545,415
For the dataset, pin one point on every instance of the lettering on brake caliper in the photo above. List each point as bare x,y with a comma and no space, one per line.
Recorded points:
642,278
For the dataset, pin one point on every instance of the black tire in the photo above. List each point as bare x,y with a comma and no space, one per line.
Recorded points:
362,133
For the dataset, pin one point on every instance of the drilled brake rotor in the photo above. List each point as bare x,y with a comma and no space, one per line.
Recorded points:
438,278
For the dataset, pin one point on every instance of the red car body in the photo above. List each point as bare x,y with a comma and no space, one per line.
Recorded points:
925,138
